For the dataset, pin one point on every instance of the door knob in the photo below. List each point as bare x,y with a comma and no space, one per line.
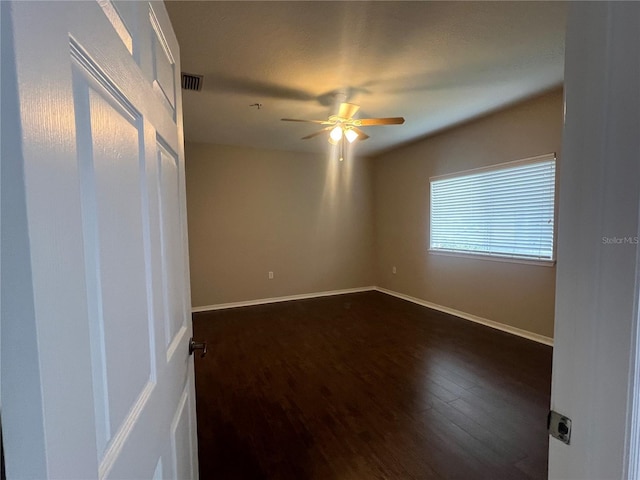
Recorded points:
193,346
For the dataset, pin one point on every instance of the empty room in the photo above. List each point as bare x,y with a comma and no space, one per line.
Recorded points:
384,380
365,384
320,240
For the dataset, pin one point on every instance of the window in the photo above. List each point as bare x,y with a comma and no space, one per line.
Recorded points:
503,211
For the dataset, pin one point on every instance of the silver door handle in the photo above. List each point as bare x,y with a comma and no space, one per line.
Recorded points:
193,346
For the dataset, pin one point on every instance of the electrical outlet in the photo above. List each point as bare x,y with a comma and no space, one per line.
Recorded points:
393,270
270,275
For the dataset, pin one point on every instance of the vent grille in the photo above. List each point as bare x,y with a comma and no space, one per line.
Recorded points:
192,82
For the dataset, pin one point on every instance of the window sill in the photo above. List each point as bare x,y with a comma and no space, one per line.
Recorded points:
494,258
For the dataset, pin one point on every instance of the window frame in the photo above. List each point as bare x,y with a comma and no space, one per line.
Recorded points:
549,262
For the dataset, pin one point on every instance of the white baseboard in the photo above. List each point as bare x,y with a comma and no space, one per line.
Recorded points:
451,311
473,318
262,301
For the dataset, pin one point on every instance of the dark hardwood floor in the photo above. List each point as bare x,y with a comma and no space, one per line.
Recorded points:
367,386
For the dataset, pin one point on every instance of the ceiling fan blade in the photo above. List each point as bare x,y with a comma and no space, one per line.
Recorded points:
320,122
348,110
315,134
367,122
361,134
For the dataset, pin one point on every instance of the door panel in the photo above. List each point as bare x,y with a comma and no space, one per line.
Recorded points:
104,183
181,435
172,252
113,11
114,250
164,72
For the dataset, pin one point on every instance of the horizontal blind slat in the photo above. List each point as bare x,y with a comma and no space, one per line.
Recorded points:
507,211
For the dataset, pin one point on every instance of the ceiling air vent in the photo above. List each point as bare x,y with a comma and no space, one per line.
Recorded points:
192,82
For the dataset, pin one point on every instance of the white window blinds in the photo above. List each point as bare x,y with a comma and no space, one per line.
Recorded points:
505,211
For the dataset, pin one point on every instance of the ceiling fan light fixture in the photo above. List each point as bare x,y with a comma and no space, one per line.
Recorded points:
351,135
336,133
343,125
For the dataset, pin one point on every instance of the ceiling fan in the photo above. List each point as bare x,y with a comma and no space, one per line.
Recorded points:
343,125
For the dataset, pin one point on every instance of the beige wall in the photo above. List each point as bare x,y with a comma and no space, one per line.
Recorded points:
514,294
332,225
252,211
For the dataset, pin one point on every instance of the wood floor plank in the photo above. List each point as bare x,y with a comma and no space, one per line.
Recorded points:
367,386
496,443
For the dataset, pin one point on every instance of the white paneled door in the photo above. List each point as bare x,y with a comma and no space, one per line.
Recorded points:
97,381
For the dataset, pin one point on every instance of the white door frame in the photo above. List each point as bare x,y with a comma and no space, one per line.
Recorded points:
599,207
632,450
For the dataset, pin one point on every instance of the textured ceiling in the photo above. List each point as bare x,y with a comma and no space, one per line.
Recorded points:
435,63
